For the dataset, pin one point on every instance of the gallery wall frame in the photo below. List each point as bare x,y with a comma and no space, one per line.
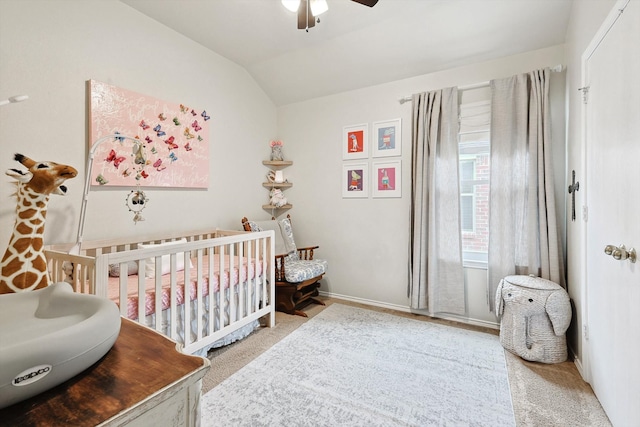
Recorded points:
355,142
355,180
387,138
386,178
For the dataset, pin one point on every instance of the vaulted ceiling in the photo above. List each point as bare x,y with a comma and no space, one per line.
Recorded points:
355,46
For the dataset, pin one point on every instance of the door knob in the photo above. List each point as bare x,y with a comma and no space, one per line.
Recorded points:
620,253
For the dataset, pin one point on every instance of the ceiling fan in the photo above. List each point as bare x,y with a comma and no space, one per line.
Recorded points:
309,10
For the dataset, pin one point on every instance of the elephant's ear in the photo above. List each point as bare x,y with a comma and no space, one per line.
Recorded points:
499,301
558,308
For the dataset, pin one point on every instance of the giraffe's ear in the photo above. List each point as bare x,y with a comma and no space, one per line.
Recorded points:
61,190
23,177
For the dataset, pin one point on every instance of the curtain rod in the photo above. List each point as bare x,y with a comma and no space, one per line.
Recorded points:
556,69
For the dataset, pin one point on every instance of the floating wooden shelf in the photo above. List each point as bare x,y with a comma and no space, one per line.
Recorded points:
277,184
272,208
277,163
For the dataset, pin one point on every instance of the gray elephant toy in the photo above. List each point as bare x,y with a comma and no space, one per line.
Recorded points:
535,315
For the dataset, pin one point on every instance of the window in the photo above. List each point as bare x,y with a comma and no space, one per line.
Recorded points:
474,145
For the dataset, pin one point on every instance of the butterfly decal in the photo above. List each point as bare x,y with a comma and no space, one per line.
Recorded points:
193,113
126,172
159,166
113,157
176,121
188,134
148,139
204,114
144,174
120,139
159,131
173,157
199,138
184,109
188,146
143,125
196,126
153,150
100,180
162,117
170,142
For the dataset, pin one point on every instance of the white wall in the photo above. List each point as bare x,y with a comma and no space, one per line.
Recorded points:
586,19
49,49
366,240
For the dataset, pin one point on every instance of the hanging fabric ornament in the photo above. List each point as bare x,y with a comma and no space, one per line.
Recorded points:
136,202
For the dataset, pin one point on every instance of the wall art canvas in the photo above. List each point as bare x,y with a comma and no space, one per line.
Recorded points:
387,178
355,142
174,136
387,138
355,180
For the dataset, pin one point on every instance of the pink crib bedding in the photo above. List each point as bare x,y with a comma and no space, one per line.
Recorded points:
241,273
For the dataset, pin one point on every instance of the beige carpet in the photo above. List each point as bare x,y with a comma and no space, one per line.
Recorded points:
543,395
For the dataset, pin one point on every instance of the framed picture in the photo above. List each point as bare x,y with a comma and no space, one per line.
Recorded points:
387,138
355,142
387,178
355,180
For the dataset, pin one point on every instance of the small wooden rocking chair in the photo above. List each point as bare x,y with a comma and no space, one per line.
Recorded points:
297,273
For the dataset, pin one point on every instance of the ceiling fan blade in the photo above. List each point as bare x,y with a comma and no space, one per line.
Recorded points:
369,3
305,18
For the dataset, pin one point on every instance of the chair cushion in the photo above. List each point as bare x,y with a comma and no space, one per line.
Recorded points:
280,247
289,241
296,271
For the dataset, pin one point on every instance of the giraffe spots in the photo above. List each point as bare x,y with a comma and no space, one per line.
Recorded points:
40,264
27,279
40,204
24,228
12,267
27,213
34,244
4,288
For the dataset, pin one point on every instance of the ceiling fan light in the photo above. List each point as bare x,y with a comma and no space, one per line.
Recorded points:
318,7
291,5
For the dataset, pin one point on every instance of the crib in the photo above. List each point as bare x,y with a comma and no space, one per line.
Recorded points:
203,289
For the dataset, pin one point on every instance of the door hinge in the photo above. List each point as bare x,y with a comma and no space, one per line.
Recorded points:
585,332
585,213
585,93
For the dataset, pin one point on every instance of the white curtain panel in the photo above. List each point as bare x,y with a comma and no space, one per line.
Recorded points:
436,274
523,237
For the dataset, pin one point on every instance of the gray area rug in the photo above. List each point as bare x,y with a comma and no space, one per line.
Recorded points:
350,366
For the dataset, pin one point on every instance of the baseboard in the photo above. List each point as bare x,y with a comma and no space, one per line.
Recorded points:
579,367
406,309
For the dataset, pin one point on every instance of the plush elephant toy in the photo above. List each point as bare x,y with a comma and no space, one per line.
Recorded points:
535,315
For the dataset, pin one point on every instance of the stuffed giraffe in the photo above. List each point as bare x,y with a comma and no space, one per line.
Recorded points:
24,267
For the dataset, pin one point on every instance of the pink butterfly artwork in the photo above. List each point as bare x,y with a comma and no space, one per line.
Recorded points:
196,126
170,143
113,157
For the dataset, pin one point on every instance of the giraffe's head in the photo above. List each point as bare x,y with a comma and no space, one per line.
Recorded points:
43,177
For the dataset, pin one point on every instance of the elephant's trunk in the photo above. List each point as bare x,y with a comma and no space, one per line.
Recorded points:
522,344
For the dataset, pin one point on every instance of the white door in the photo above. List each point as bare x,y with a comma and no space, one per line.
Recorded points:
612,130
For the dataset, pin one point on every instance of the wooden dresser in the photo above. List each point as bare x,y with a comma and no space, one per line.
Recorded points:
142,381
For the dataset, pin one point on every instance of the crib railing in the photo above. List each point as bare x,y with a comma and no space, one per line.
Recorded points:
232,250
